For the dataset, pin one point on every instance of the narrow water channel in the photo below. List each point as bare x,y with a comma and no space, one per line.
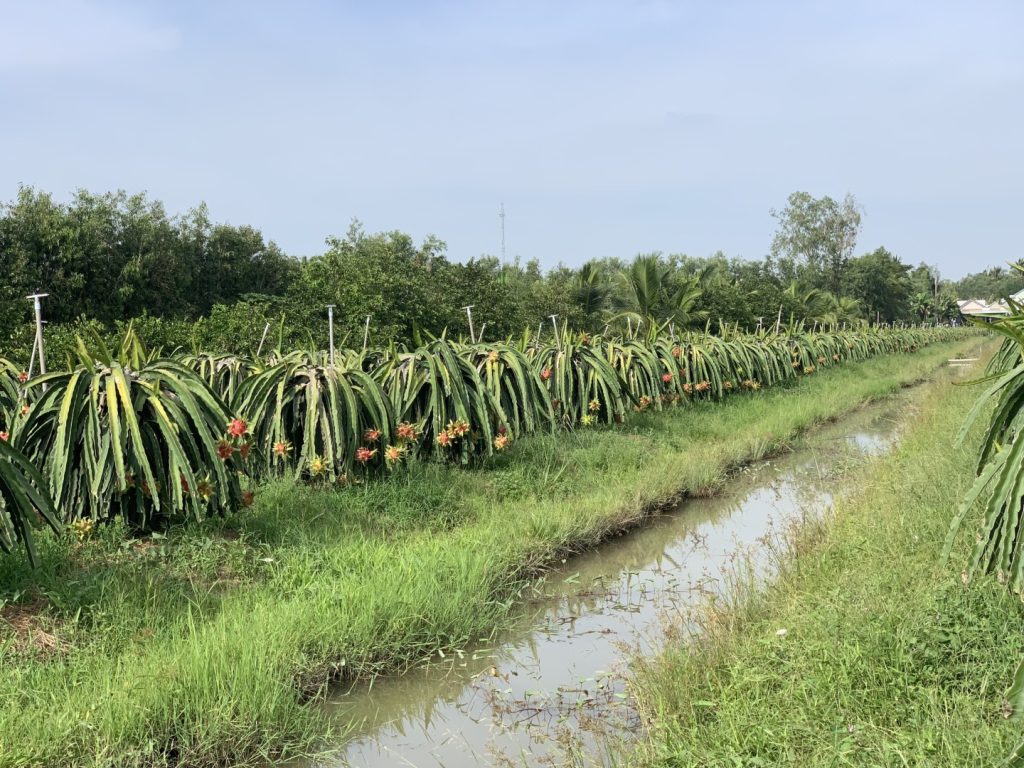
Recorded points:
552,691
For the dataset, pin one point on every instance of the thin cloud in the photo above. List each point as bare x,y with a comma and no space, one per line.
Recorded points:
64,35
606,127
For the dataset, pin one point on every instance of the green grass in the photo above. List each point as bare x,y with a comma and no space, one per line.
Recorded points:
204,647
888,659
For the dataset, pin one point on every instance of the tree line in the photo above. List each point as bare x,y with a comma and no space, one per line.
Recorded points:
107,258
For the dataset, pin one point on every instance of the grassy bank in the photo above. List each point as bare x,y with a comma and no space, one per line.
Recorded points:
201,647
887,658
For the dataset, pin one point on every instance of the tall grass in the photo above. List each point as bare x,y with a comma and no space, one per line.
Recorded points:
887,658
205,647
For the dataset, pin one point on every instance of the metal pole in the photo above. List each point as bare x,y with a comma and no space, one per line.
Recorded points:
32,358
366,333
39,327
481,336
554,323
330,329
469,314
778,323
262,339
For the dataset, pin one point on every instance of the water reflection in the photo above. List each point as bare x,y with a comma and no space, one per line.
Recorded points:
554,686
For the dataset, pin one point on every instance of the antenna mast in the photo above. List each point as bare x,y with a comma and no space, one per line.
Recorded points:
501,217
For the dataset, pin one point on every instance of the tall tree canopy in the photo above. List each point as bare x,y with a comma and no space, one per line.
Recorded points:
992,284
188,280
816,238
881,283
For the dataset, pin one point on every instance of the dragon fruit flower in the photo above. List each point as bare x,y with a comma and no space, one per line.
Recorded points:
406,431
205,489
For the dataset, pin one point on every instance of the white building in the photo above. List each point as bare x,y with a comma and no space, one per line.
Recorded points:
981,308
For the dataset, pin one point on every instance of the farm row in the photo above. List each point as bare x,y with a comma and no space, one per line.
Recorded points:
153,439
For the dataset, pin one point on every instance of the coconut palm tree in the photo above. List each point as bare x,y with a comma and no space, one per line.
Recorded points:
592,291
848,310
836,310
922,305
810,304
651,293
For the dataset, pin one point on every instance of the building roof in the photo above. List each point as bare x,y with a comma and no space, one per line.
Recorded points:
982,307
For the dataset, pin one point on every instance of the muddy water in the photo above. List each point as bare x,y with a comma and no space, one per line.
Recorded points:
552,691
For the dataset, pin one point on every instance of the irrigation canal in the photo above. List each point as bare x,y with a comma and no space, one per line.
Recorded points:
552,690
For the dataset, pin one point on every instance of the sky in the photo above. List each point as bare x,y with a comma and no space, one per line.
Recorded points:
604,128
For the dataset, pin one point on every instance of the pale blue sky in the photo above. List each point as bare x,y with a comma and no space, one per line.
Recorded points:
607,128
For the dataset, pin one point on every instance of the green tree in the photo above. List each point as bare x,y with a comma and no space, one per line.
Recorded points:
808,304
592,293
114,256
922,305
882,285
725,296
815,239
650,292
842,310
495,292
946,308
153,277
34,238
222,262
384,276
510,298
924,278
991,284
